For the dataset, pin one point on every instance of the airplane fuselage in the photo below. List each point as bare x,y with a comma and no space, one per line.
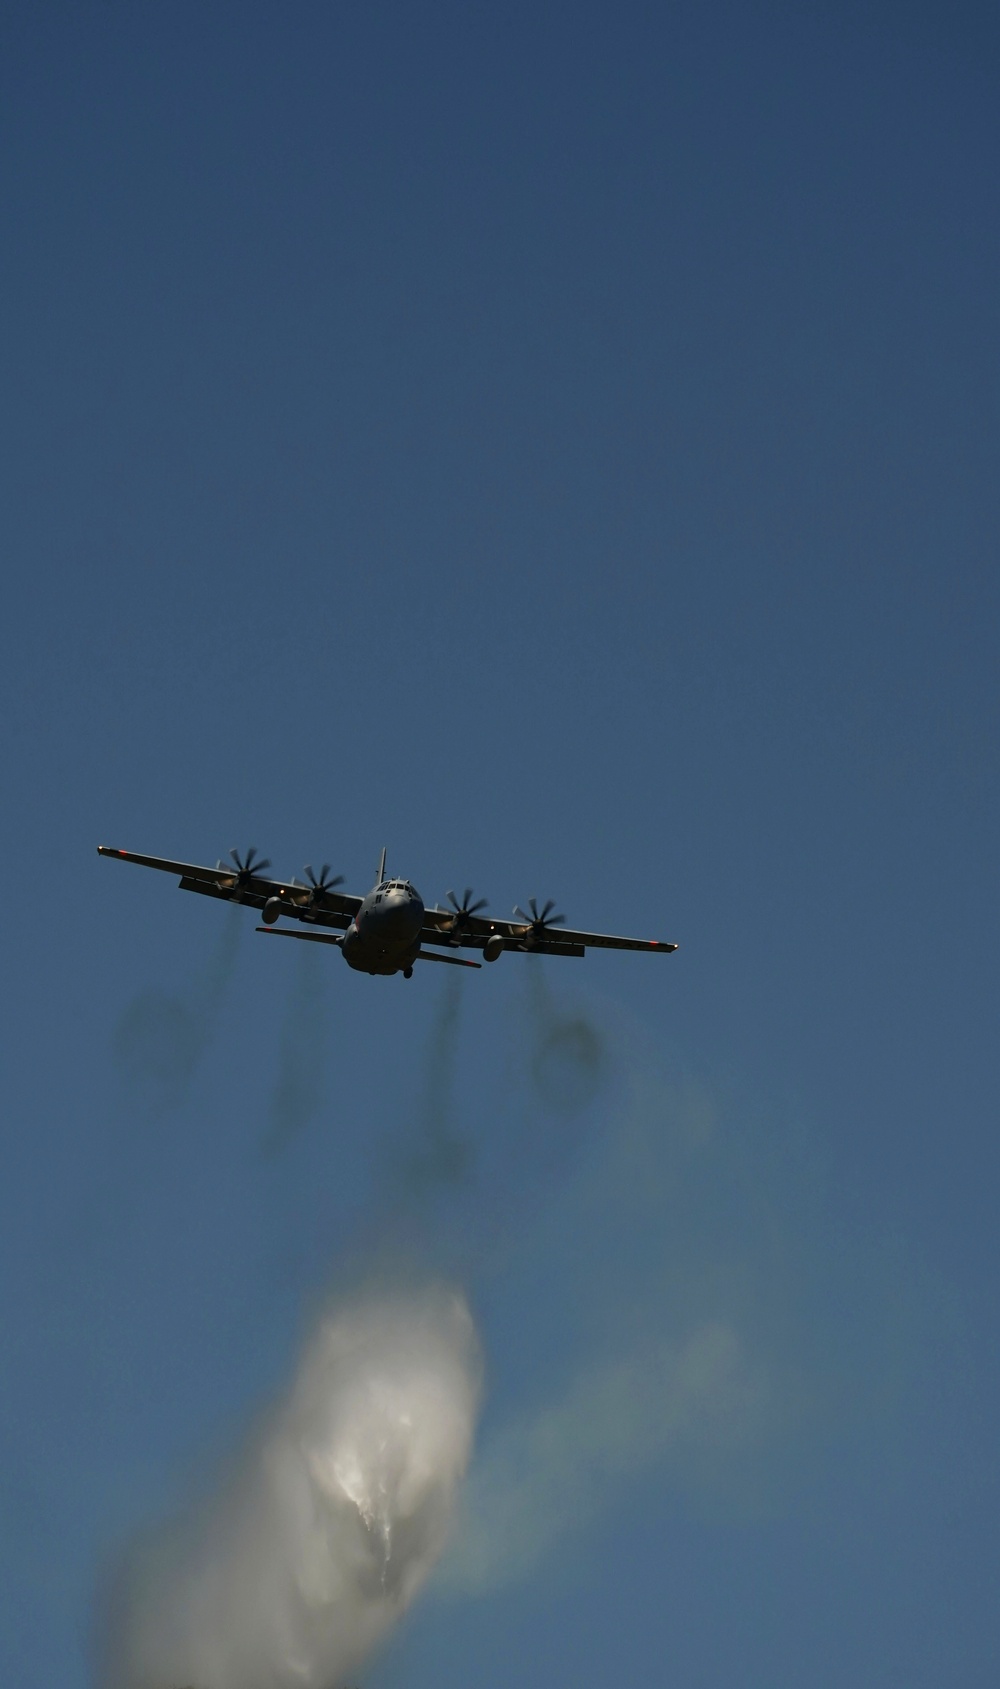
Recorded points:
384,936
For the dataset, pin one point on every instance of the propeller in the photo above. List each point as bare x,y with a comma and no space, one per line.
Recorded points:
539,923
465,909
246,867
322,884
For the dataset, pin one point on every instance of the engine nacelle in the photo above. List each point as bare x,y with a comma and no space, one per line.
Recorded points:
493,947
271,910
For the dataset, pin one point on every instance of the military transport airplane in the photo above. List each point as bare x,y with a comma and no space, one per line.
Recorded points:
386,931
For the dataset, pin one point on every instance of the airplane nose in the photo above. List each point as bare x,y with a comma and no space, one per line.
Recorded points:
400,916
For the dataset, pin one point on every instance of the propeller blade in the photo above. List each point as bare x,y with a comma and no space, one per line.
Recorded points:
465,909
249,865
323,883
539,921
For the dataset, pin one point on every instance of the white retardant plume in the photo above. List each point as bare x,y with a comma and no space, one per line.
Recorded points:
337,1512
547,1472
705,1329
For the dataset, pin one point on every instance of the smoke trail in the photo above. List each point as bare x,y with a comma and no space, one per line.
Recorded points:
158,1044
161,1036
337,1512
440,1155
557,1069
568,1060
298,1093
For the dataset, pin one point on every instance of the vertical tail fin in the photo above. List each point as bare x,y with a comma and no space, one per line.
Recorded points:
380,876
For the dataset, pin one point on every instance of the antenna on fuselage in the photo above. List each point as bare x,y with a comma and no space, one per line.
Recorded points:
380,876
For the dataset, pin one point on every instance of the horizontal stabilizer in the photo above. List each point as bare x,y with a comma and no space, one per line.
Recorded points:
543,947
455,961
309,937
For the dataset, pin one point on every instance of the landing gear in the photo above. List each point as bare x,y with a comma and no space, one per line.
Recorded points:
407,973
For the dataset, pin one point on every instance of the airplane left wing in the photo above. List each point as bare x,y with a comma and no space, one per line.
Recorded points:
548,938
607,941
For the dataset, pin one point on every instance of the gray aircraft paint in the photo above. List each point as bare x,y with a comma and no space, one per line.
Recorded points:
384,936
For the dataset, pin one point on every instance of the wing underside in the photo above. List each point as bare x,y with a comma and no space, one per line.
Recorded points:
474,931
325,908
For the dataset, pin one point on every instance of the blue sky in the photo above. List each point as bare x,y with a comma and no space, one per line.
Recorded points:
558,443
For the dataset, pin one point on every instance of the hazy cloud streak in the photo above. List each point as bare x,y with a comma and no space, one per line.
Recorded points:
705,1323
